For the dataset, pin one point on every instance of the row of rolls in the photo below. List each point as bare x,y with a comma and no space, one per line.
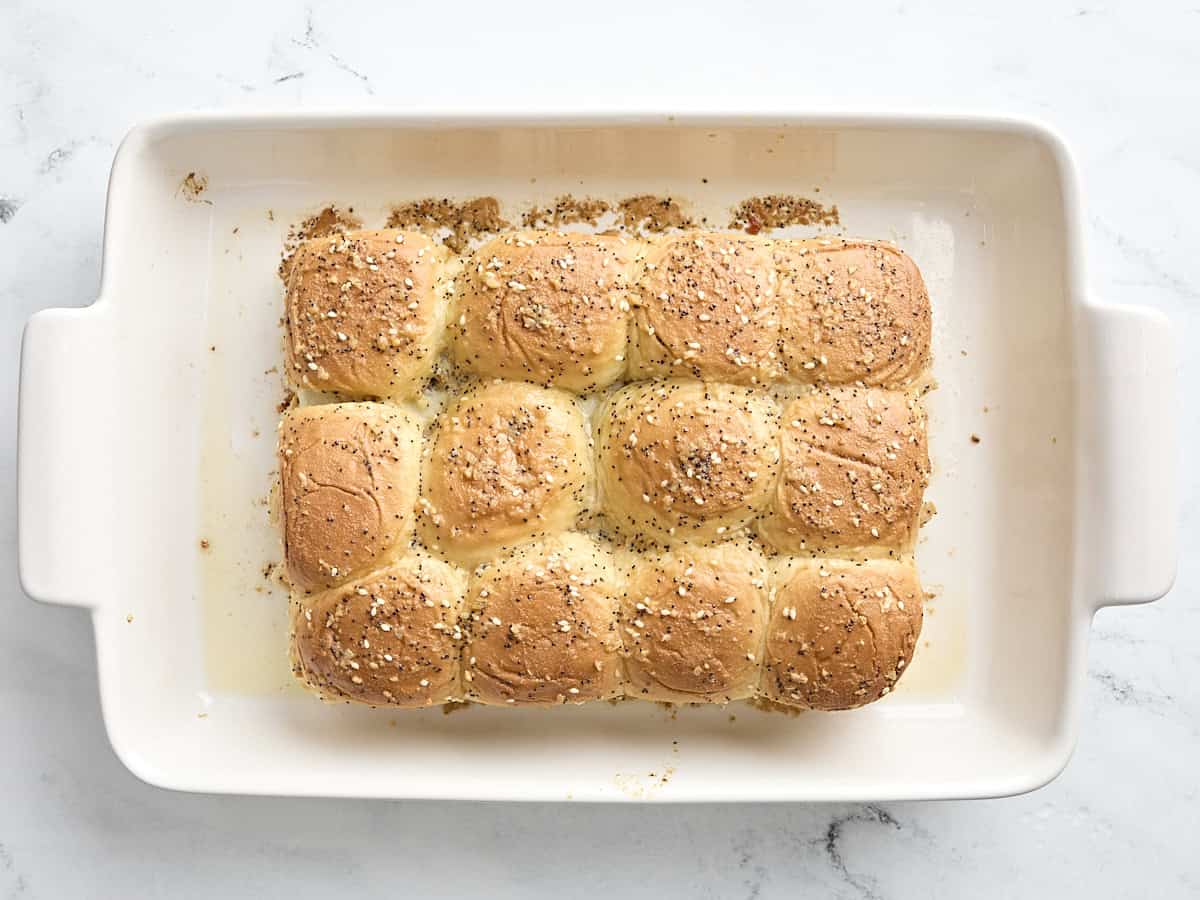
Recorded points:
369,312
688,468
832,472
569,619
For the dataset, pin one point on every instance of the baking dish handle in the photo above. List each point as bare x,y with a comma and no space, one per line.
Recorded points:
1130,452
63,453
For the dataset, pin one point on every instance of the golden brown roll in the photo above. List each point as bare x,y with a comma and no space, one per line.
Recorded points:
706,307
693,624
686,460
855,466
543,625
841,633
852,311
348,483
506,462
390,639
546,307
365,313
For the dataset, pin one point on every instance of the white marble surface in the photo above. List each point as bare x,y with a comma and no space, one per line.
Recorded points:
1122,83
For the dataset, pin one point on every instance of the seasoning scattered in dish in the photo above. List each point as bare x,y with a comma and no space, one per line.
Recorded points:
755,214
653,214
464,219
567,210
193,186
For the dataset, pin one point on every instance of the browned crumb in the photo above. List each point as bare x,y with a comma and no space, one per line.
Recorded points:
204,544
465,220
288,401
647,212
671,708
975,439
129,618
764,705
235,229
567,209
733,718
193,186
779,211
330,220
455,706
268,571
928,511
270,215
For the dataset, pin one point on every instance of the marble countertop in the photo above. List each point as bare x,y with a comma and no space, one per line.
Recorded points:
1122,84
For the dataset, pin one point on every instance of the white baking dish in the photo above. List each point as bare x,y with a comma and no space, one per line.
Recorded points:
147,425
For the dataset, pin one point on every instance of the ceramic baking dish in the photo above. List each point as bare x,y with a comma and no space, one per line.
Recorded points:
147,427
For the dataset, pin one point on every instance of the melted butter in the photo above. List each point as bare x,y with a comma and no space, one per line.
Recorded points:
244,610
